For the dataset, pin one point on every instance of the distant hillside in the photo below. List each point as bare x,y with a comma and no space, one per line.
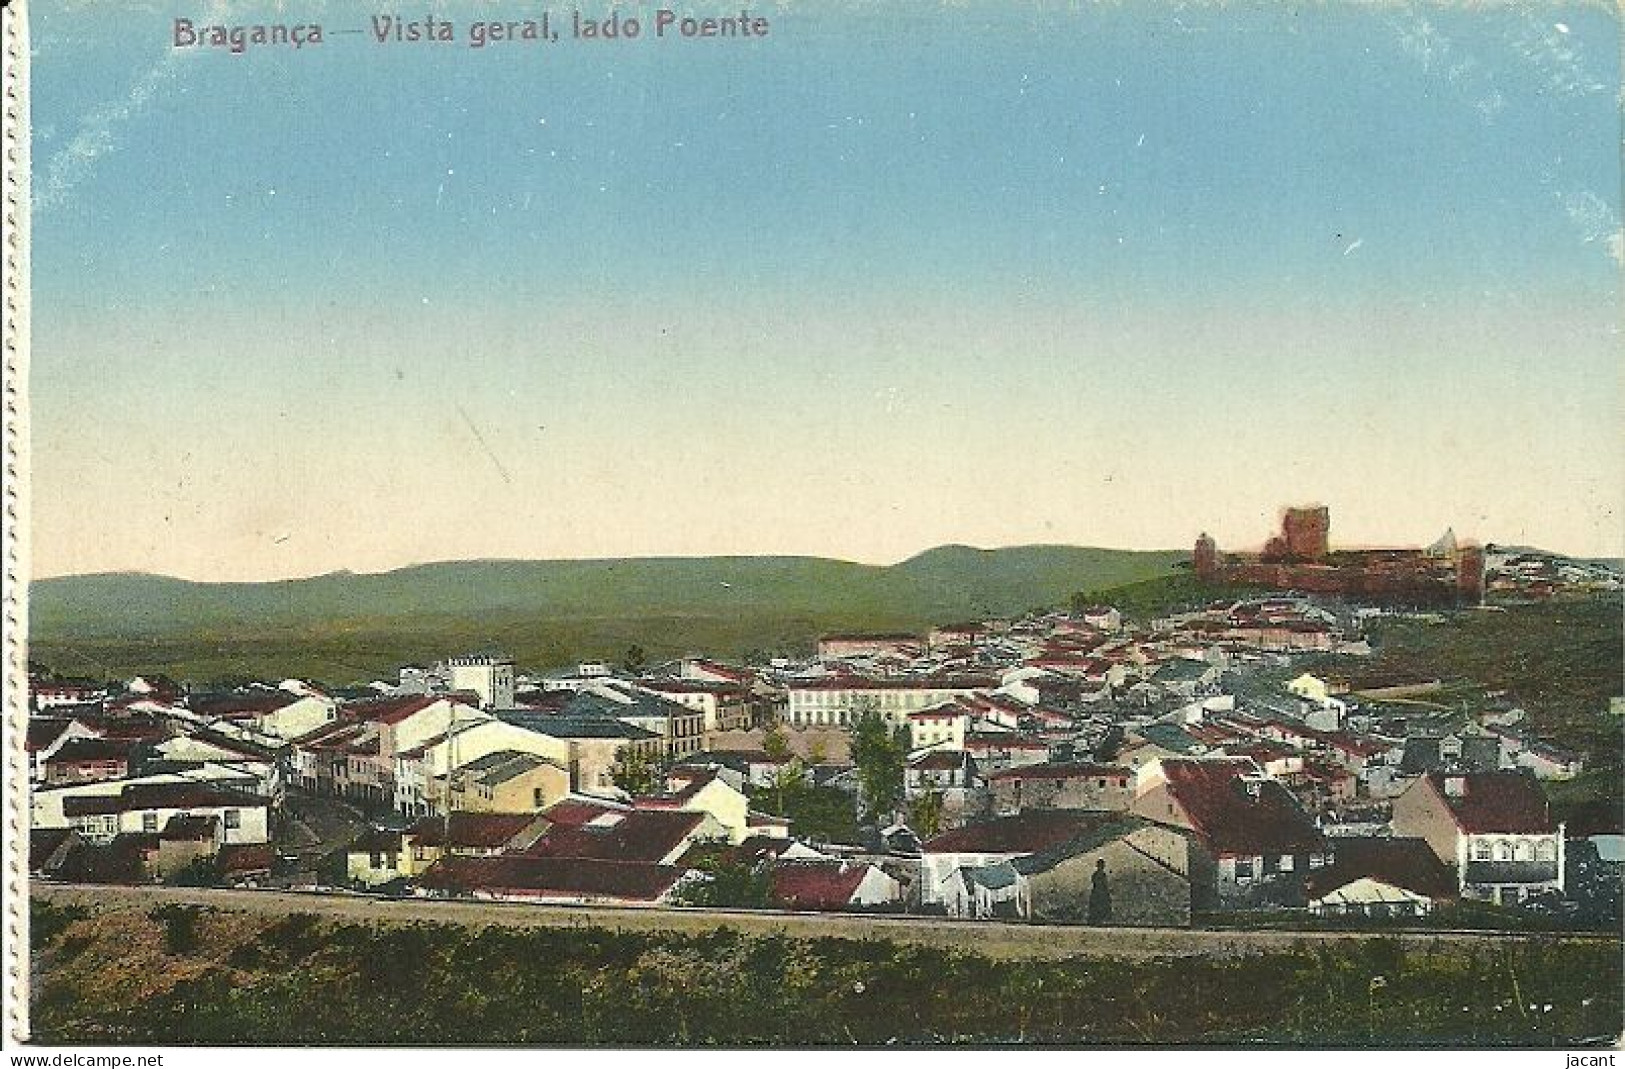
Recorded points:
1614,564
343,627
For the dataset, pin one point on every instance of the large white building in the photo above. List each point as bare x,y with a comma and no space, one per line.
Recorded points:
726,706
837,701
1493,828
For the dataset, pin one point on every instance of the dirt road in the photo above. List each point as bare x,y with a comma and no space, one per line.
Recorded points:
995,939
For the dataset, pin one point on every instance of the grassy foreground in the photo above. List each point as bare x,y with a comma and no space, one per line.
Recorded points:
176,975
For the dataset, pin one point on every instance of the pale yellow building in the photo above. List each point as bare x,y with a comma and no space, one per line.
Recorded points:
507,781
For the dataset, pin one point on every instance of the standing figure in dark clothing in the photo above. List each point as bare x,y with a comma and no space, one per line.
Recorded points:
1100,896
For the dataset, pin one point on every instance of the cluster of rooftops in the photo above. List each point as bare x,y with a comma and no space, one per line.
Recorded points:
1049,738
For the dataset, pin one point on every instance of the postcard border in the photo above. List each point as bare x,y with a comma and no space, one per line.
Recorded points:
14,525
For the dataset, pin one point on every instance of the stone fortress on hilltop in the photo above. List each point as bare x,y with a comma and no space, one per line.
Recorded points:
1300,557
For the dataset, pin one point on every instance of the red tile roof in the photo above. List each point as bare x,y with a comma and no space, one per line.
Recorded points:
1260,750
642,835
471,830
375,841
1510,802
750,757
1237,814
390,710
1027,833
1061,770
740,675
693,781
945,711
77,750
129,729
240,705
817,884
246,858
848,682
1210,734
995,740
161,796
1356,744
571,812
330,736
553,877
1407,863
183,827
42,731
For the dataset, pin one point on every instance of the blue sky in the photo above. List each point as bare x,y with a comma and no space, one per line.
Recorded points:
892,276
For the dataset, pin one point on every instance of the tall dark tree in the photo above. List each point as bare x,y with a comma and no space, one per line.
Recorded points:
1111,744
879,755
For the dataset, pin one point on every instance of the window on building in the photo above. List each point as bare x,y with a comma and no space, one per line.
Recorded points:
1244,868
1545,851
1287,862
234,818
149,822
536,798
1481,850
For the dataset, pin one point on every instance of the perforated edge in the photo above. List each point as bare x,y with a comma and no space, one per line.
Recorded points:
14,526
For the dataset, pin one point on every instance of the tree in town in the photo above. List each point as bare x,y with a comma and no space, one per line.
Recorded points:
1111,744
727,882
776,744
637,773
879,754
925,815
789,780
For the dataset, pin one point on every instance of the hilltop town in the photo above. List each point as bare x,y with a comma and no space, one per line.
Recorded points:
1238,760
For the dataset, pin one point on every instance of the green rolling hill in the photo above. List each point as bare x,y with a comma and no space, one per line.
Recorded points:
344,627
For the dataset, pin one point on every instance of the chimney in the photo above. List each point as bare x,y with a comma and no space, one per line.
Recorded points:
1455,786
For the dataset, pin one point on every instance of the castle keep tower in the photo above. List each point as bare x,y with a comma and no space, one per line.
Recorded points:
1299,558
1307,532
1206,557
